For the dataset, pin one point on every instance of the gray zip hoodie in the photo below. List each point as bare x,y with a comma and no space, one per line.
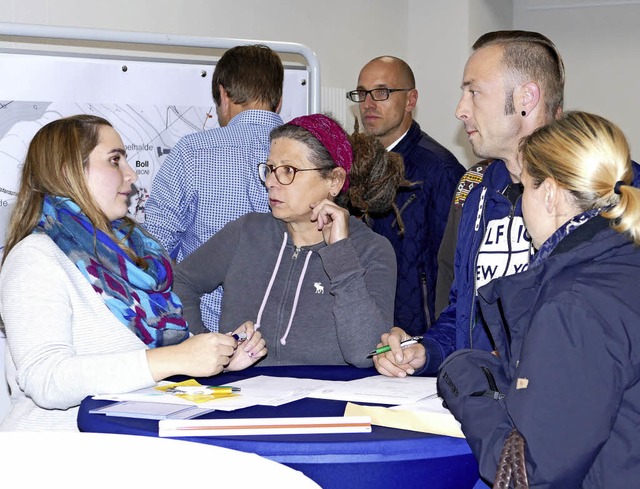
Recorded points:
315,305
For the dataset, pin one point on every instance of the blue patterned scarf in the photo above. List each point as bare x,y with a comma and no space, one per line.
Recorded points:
562,232
141,299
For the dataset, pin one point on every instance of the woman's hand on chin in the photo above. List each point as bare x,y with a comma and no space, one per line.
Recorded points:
331,219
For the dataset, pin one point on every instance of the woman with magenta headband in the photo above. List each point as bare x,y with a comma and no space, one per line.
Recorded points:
318,283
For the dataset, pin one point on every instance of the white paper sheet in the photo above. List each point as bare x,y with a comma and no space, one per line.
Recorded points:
148,394
274,391
262,390
150,410
379,389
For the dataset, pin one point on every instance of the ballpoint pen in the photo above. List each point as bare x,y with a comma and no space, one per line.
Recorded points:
403,344
203,390
239,337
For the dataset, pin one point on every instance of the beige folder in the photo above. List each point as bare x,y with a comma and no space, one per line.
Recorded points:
427,416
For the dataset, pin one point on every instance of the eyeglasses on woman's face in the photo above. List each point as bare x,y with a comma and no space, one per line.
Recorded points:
285,174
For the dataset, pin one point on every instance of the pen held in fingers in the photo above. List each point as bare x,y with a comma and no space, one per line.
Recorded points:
403,344
239,337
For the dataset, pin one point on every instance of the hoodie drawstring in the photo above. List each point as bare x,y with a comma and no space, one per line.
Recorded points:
283,340
273,278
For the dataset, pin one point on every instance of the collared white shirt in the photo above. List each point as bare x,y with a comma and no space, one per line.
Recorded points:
395,143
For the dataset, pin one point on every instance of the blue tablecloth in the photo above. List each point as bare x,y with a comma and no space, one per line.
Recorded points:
386,457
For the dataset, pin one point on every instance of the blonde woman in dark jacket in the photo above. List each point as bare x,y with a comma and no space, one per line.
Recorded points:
566,368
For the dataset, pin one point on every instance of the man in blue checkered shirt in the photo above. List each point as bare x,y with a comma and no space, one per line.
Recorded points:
211,177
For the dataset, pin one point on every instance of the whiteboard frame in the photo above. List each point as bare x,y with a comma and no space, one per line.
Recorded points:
103,35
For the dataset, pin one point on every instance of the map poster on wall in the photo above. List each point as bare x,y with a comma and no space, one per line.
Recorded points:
148,134
151,110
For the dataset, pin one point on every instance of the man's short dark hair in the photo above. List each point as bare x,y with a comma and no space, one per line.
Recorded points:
252,73
530,56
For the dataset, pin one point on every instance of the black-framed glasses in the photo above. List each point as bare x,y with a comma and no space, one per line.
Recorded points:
285,174
377,94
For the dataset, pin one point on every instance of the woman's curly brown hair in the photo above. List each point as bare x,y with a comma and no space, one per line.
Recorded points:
375,177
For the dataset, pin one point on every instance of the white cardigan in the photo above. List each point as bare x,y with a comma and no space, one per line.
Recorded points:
63,343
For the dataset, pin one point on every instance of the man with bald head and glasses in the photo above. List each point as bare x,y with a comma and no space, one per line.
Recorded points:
386,96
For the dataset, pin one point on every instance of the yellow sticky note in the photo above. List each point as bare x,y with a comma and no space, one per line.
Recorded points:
194,397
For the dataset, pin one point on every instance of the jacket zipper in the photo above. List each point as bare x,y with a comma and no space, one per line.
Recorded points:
472,316
511,214
494,392
296,252
425,292
479,218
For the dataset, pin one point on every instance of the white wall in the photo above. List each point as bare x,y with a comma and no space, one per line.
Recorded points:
439,41
342,33
598,38
599,41
437,63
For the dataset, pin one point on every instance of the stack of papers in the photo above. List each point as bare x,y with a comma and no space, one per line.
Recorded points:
260,390
413,400
150,410
168,400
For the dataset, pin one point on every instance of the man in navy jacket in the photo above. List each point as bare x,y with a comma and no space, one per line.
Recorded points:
386,95
513,83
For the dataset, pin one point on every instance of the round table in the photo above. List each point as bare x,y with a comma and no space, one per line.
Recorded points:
386,457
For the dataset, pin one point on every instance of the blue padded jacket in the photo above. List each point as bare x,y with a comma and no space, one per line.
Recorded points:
424,208
461,325
568,370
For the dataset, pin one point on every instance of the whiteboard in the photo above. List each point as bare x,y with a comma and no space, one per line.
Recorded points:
150,102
